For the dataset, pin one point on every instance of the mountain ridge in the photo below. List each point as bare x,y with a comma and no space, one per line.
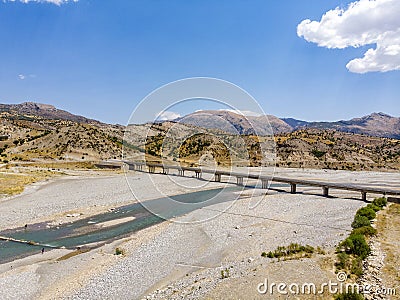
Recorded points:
46,111
375,124
27,138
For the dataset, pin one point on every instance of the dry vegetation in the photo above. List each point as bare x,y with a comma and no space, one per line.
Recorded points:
33,148
329,149
388,226
311,148
13,183
34,139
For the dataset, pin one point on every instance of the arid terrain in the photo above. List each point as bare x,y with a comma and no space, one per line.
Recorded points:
50,175
38,133
219,258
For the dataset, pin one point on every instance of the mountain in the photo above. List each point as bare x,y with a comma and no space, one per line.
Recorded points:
294,123
376,124
43,110
232,122
32,132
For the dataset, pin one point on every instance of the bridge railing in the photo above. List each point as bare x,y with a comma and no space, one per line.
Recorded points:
264,179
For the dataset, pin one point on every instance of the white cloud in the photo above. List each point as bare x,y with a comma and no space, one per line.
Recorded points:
167,115
23,76
363,22
56,2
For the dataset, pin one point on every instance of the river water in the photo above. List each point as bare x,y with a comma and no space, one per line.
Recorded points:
85,231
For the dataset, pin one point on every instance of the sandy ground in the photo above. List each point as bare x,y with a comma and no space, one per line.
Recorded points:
389,239
115,222
183,261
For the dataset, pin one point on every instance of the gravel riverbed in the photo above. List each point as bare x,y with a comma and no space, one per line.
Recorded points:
184,261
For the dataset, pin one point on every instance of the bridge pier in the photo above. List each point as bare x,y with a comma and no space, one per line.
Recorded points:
264,183
265,180
217,177
293,188
364,196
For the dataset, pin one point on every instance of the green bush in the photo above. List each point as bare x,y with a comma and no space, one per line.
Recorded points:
356,267
290,250
365,230
360,246
225,273
349,296
373,207
380,202
318,153
367,212
343,261
119,251
347,245
360,221
356,244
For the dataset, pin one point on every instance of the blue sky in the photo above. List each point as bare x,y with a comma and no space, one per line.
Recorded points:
100,58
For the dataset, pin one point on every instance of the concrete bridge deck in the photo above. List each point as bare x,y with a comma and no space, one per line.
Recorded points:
265,180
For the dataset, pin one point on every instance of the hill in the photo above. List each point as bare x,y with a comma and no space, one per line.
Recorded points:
376,124
235,123
330,149
36,132
306,148
42,110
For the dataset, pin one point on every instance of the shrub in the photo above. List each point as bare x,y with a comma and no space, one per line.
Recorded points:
380,202
343,261
360,246
347,245
225,273
317,153
290,250
367,212
360,221
356,267
373,207
119,251
365,230
349,296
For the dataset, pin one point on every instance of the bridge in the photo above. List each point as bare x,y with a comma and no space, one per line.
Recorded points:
265,180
